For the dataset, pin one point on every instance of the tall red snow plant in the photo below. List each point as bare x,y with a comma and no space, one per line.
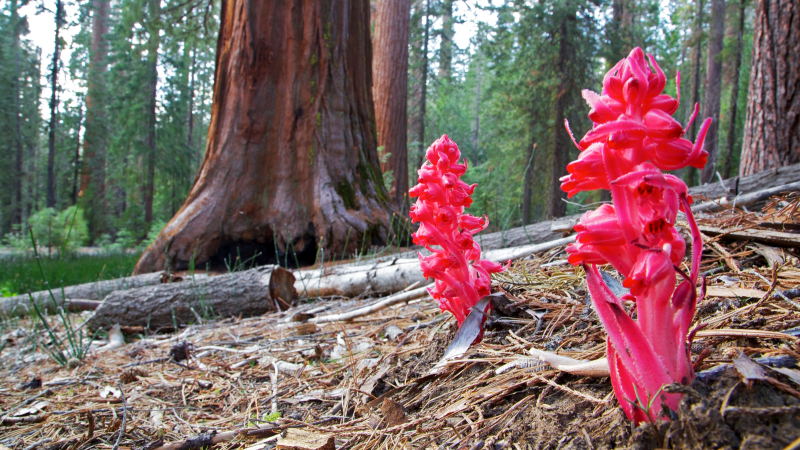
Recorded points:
461,276
633,139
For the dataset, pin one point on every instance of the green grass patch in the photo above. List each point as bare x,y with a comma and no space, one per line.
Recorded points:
20,274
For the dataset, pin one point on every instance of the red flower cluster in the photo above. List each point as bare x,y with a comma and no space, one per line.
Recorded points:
633,139
462,278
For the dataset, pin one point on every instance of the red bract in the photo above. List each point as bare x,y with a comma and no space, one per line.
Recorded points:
462,277
633,139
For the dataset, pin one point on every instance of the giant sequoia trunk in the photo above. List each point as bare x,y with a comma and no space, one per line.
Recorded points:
390,70
772,124
291,160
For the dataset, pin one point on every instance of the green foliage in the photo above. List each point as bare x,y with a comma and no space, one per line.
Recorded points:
59,229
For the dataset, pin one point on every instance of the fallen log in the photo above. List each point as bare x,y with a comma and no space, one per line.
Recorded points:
20,304
752,183
771,237
248,293
391,276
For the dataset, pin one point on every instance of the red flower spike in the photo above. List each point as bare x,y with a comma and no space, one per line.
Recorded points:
633,139
462,277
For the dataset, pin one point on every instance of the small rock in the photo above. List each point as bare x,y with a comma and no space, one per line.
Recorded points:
366,363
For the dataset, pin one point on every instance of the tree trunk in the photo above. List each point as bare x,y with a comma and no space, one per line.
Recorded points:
527,188
16,211
477,129
711,107
446,43
561,141
77,167
737,70
51,141
93,167
291,154
170,305
390,72
697,36
420,137
619,31
772,125
150,142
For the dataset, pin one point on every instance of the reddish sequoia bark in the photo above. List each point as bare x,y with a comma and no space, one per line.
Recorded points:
716,40
390,70
772,125
291,147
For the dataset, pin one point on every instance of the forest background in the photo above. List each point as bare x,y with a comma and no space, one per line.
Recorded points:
114,117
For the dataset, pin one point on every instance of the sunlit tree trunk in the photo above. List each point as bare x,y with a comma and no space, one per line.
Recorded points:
772,124
390,72
291,153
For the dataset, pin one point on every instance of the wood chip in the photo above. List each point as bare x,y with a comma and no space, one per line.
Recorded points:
393,412
306,440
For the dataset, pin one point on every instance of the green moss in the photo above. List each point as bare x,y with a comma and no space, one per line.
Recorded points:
311,156
319,119
327,36
314,60
348,194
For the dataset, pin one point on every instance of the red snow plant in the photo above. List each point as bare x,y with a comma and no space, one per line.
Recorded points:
462,277
633,139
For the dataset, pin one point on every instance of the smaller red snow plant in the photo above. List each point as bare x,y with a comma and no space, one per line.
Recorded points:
633,139
461,276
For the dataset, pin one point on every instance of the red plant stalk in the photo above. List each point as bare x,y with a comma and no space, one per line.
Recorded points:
461,276
633,139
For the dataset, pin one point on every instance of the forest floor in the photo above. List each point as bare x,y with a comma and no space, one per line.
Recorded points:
255,383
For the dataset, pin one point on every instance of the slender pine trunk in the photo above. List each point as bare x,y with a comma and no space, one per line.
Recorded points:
423,87
51,142
691,174
737,71
711,106
446,43
16,212
150,141
77,165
